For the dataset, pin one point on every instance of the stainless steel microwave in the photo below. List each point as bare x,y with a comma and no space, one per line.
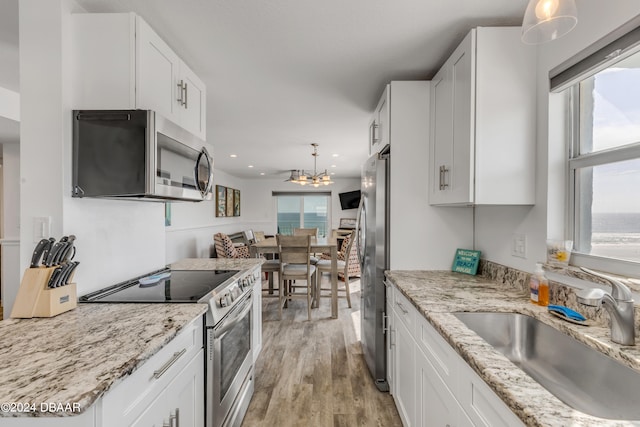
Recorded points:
138,154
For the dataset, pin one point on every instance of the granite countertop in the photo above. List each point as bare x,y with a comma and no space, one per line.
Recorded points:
437,294
216,263
79,355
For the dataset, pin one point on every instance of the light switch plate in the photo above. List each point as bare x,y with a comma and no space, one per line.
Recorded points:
519,245
41,228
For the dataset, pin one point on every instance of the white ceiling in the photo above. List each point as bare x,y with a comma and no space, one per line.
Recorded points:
282,74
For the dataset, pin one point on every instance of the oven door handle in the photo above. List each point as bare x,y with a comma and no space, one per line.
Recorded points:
229,323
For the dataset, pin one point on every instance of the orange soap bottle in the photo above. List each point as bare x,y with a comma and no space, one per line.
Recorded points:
539,286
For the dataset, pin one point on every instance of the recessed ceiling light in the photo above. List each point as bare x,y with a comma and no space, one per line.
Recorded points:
261,173
233,155
335,155
333,166
250,166
333,173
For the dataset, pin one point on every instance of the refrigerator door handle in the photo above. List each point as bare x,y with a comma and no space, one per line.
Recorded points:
385,323
360,236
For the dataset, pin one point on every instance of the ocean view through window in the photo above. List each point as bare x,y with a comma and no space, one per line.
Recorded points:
605,163
303,211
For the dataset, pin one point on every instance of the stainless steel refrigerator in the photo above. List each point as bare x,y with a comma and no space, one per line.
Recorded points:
373,252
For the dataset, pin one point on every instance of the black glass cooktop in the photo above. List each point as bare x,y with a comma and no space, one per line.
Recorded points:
180,286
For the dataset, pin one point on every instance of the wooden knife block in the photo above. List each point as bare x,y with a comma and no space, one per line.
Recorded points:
36,299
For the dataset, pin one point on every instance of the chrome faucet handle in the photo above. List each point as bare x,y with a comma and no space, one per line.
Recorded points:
619,291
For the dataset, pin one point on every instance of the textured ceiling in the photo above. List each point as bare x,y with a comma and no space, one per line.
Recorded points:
282,74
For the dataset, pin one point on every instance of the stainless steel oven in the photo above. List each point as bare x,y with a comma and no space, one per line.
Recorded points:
229,328
230,365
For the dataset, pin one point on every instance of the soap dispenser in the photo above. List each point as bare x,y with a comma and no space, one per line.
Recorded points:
539,287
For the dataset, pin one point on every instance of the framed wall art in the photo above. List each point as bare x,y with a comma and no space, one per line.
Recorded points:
221,200
229,201
236,202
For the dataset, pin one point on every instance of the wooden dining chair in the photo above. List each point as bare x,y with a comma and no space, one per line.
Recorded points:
313,232
295,265
344,265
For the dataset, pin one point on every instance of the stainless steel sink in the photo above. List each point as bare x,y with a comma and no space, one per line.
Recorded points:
575,373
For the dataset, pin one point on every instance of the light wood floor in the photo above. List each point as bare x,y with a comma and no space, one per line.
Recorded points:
312,373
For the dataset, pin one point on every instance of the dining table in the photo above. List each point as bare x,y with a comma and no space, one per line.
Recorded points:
319,244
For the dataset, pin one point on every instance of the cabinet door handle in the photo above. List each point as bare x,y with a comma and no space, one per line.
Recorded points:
186,96
175,417
440,178
157,374
181,92
444,170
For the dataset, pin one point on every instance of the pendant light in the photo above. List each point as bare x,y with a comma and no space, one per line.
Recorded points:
316,179
547,20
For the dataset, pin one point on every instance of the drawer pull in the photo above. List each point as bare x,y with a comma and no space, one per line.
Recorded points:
175,417
157,374
404,310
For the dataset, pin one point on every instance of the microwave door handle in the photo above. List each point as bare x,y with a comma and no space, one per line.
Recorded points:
207,187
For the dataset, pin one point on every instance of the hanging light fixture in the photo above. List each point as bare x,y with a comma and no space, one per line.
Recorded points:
316,179
547,20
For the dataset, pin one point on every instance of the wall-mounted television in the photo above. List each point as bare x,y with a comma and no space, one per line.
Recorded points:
349,199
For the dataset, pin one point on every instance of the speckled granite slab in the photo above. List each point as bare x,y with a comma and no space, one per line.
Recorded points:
437,294
216,263
79,355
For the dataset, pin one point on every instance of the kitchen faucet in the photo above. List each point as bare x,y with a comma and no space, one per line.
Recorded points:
619,305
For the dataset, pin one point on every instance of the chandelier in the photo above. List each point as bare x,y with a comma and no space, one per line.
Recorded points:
316,179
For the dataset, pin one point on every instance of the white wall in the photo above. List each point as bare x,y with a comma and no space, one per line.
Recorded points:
194,224
10,268
421,236
115,240
496,225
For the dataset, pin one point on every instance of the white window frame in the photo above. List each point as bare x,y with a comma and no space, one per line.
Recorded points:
577,161
303,194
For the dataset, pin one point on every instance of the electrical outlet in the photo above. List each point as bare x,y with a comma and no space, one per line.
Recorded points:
41,228
519,245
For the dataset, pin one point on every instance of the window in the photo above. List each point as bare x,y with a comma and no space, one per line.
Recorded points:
303,210
604,166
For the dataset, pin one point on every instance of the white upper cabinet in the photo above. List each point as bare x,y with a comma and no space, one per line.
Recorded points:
483,111
379,129
119,62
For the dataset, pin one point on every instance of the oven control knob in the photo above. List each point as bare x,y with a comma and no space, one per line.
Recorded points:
224,300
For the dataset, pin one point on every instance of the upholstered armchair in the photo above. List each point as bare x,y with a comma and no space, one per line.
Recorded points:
226,249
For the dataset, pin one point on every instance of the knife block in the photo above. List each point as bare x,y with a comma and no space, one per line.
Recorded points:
36,299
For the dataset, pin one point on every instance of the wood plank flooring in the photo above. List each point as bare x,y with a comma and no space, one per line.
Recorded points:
313,373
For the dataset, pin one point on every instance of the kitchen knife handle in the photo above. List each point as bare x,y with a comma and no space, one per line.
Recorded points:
37,252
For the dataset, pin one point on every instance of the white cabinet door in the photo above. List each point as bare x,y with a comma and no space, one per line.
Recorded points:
193,103
460,178
391,342
405,396
441,137
182,402
379,132
157,70
185,395
257,314
482,140
436,405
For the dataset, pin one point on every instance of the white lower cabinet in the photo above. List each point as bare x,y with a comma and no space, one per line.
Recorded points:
181,403
432,384
173,379
405,396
